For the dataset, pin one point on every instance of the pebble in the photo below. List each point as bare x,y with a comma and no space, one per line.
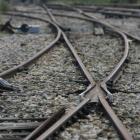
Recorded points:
76,137
99,55
13,52
98,31
107,121
128,104
54,75
45,97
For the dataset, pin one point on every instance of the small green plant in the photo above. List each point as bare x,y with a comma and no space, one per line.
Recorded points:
4,6
138,1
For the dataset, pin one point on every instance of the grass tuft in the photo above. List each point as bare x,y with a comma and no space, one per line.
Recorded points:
4,6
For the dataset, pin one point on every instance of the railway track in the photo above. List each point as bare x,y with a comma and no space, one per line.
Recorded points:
92,91
108,12
125,24
119,5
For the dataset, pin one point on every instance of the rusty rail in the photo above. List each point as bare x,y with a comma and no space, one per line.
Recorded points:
30,61
90,7
102,10
93,93
114,5
89,18
46,124
101,22
90,96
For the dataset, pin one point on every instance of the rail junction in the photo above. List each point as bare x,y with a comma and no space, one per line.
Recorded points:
95,95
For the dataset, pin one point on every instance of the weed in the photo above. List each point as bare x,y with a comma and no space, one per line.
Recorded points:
4,6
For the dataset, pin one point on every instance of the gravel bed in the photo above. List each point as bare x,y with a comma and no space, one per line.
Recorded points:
37,9
18,21
131,25
76,25
70,13
95,127
53,78
23,8
128,104
16,48
51,83
91,48
100,54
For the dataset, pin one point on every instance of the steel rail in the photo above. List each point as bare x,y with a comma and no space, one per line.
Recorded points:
104,8
136,6
116,72
62,122
93,7
97,21
103,23
39,130
104,11
14,70
30,61
97,90
112,116
89,18
77,58
73,51
71,48
125,134
92,93
84,69
120,5
113,13
117,123
119,66
118,15
63,28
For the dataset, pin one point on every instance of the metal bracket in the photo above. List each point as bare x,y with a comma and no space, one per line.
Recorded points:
109,95
5,86
24,28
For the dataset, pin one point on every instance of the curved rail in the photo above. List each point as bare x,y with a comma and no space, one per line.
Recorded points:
95,91
103,23
90,7
118,5
69,8
84,69
102,10
39,130
30,61
92,92
71,48
106,24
